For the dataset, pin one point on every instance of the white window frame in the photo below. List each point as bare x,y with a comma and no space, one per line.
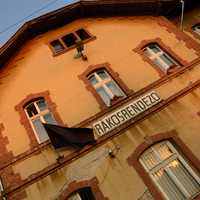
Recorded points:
157,55
38,116
102,83
163,164
196,29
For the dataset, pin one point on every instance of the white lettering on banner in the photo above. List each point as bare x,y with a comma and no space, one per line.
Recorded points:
127,112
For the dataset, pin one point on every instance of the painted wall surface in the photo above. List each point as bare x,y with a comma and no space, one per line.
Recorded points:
39,71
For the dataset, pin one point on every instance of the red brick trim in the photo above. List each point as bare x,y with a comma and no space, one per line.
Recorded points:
24,120
91,69
74,186
133,159
189,28
164,47
180,35
4,154
66,49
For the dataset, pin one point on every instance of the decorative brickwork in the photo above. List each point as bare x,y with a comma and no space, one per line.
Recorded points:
25,121
180,35
74,186
106,66
13,62
165,48
133,159
4,154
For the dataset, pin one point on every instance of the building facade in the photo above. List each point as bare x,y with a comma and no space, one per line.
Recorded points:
136,84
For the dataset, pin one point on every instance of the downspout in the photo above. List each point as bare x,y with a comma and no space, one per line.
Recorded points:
182,14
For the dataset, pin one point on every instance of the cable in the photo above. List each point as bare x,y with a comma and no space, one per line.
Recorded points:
28,17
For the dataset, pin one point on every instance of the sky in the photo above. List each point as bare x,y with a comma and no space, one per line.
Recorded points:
15,13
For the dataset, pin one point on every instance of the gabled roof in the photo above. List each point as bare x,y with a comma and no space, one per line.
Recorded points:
84,8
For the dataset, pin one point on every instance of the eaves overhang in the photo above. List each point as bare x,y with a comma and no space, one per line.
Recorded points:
82,9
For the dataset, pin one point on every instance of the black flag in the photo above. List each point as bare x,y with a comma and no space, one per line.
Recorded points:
77,137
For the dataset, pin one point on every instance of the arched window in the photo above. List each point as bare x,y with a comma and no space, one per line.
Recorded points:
38,113
160,58
105,86
84,194
33,110
169,171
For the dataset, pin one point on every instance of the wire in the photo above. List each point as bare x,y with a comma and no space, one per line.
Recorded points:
27,17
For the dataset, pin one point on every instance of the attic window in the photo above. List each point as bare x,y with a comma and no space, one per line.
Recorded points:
66,41
82,34
69,40
57,46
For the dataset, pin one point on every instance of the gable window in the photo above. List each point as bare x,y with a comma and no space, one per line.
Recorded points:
66,41
84,194
196,29
38,113
105,86
170,172
57,46
160,58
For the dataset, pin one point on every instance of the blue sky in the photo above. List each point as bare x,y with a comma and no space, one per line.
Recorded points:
14,13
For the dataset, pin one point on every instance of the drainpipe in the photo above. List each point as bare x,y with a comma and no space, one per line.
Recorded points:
182,14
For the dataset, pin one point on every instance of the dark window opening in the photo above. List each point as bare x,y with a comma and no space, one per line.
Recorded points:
69,40
86,194
57,46
83,34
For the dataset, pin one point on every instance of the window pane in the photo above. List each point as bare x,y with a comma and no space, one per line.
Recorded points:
86,194
147,53
150,160
104,95
31,110
164,151
114,89
166,60
42,105
184,176
39,128
103,75
57,46
155,49
93,80
69,40
48,118
167,184
159,64
82,34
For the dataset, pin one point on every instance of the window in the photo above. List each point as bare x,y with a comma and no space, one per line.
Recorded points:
84,194
175,179
57,46
105,86
1,188
160,58
196,29
66,41
38,113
